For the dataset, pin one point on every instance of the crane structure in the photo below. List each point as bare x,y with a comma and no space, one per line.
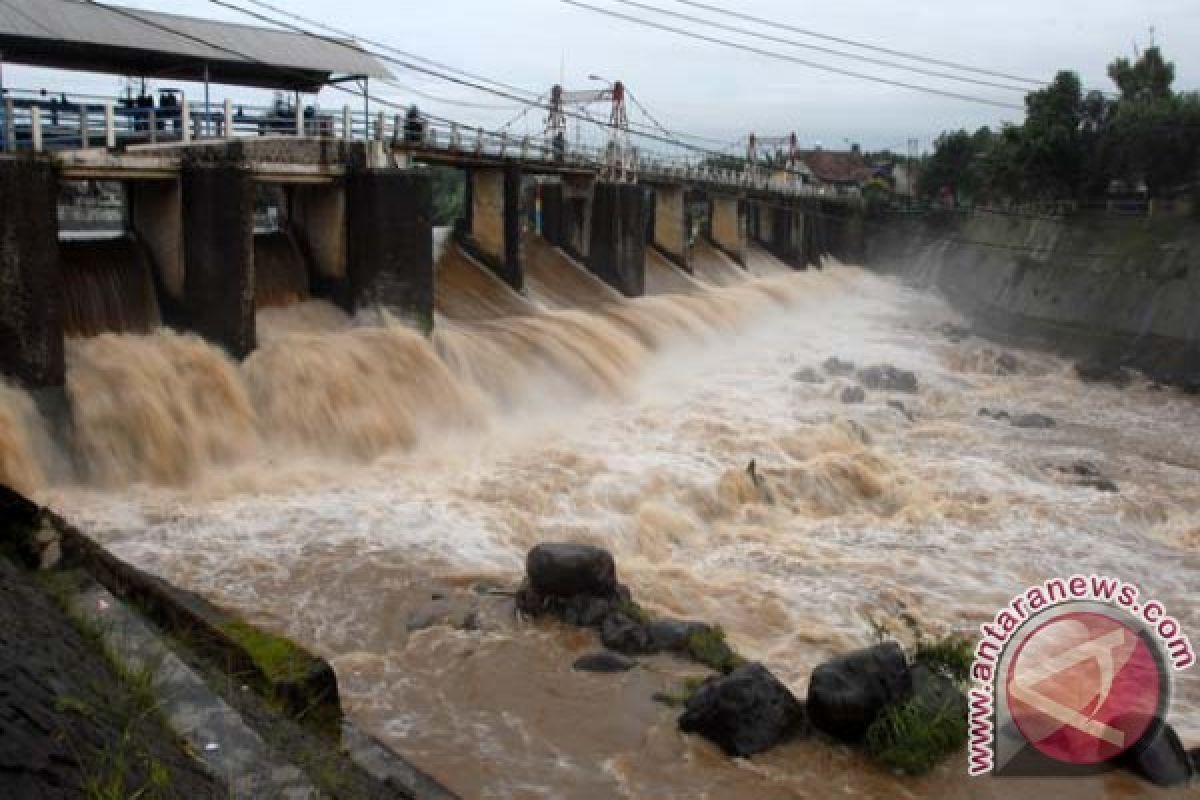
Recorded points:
620,154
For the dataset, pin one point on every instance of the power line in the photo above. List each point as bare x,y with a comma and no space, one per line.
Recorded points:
792,59
862,45
827,50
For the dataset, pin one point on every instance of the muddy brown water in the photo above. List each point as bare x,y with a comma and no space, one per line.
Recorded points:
345,472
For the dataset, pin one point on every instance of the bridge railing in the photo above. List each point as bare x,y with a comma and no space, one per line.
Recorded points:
37,121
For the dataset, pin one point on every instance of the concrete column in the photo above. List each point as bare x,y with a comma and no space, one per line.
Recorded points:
218,247
156,217
31,283
617,250
389,216
728,225
318,221
495,222
671,234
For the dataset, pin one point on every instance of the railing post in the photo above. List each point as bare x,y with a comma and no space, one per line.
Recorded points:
347,123
397,128
110,126
83,127
380,122
185,120
10,127
299,117
228,131
35,130
152,118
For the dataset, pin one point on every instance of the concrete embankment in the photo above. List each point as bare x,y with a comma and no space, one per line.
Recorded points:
1122,291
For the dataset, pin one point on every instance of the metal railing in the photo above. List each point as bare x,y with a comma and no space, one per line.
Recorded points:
38,122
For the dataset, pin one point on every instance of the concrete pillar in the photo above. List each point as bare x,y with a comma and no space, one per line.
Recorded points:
156,217
671,234
728,226
494,222
318,221
31,283
218,247
389,215
785,235
617,250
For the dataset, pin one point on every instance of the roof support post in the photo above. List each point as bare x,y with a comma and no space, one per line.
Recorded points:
299,116
347,123
380,122
10,127
227,127
110,126
207,106
83,127
185,119
35,127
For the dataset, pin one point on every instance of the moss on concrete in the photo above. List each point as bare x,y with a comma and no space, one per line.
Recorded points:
279,660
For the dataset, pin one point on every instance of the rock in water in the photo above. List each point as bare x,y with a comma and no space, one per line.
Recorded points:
605,662
996,415
853,395
745,712
1164,762
808,375
835,366
887,378
898,406
566,570
846,694
1036,421
625,635
672,635
1098,371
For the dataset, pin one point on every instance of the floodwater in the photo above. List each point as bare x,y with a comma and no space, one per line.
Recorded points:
332,483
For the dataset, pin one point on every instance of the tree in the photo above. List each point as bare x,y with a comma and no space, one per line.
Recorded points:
951,168
1147,79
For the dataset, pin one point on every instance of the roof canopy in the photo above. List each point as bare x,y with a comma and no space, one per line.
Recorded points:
71,34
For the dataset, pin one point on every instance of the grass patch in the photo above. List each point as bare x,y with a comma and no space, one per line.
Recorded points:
708,647
635,612
276,657
914,739
951,656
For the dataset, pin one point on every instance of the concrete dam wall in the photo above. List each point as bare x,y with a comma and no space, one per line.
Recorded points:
1123,291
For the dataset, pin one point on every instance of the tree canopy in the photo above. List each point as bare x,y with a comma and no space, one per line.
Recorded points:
1075,144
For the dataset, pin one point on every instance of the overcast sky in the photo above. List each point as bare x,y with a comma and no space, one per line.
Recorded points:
708,89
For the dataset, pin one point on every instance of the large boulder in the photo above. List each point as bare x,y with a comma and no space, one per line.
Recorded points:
887,378
846,694
745,712
624,634
567,570
1163,762
672,635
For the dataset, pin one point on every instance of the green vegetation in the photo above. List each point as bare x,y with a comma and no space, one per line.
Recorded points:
709,647
449,194
915,739
1075,145
951,656
276,657
690,686
635,612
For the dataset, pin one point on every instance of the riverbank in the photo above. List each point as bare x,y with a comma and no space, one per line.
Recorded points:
1120,291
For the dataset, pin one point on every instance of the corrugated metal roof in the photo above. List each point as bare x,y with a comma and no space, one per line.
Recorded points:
85,35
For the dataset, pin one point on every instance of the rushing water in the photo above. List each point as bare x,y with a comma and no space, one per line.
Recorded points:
343,473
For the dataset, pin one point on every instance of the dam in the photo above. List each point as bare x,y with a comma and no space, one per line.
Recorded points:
270,378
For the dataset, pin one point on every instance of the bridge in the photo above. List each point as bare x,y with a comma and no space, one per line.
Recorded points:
356,189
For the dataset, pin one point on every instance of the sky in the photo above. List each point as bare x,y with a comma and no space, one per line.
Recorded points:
710,90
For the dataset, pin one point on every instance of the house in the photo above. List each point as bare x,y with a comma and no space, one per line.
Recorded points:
844,170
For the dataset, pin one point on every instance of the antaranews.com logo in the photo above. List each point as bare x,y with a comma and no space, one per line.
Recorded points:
1071,674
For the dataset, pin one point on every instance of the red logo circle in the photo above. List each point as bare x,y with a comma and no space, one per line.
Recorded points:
1084,687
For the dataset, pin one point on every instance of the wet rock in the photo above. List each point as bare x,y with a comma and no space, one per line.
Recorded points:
566,570
955,333
898,406
1002,416
624,634
745,712
1034,421
1099,371
671,635
605,661
808,375
459,610
585,610
853,395
835,366
25,532
1087,475
846,694
1164,762
885,377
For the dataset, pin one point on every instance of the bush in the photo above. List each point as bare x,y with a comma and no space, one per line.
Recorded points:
914,739
951,656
